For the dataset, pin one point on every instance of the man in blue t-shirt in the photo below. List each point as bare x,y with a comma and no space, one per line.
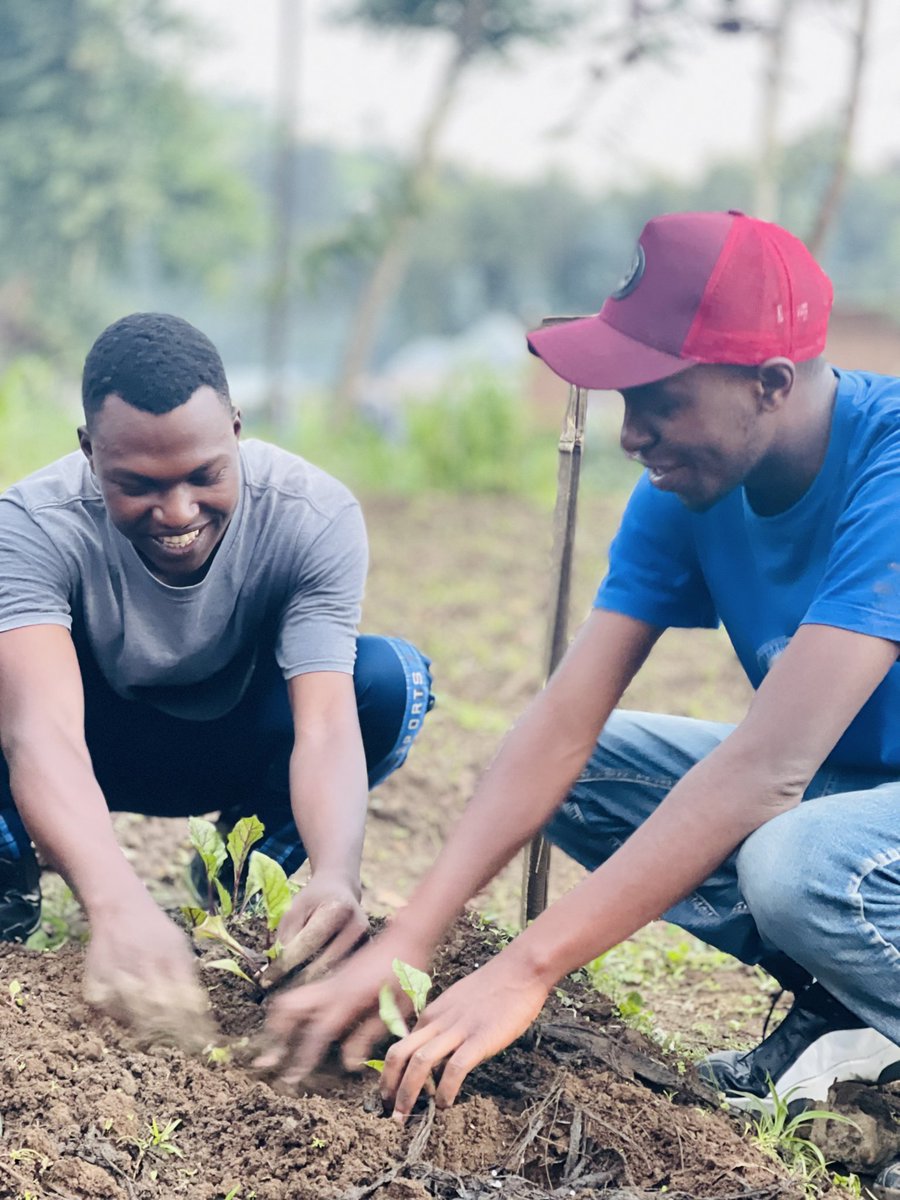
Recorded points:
769,503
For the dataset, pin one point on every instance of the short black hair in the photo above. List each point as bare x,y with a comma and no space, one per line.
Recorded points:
152,361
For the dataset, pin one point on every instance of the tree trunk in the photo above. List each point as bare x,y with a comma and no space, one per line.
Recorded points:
765,202
284,198
830,204
390,266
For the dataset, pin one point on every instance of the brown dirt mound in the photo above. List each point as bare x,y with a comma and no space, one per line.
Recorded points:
579,1106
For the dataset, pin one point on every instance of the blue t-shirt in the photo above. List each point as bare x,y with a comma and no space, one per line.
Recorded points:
833,558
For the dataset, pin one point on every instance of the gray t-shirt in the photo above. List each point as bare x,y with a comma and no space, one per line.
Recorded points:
288,576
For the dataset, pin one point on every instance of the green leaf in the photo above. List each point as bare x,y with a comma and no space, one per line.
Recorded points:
377,1064
274,950
228,964
214,929
195,915
390,1013
207,841
225,903
267,876
245,834
414,982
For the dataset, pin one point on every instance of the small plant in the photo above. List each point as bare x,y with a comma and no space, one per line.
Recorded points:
777,1133
416,985
156,1141
15,993
265,878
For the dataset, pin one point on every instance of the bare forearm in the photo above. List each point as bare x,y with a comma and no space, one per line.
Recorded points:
529,778
702,820
534,769
329,794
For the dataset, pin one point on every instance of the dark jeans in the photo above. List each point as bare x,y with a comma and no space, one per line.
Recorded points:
147,761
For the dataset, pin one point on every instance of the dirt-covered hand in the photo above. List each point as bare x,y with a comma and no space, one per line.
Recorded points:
324,923
473,1020
303,1022
139,968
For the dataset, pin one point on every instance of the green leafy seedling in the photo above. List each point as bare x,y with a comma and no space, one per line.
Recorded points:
157,1140
416,985
15,993
264,878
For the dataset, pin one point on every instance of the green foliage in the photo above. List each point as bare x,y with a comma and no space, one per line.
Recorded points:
416,985
413,982
157,1140
780,1135
264,878
390,1013
34,425
107,156
267,877
503,22
476,435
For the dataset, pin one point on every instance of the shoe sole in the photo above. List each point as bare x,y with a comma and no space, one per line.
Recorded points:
832,1057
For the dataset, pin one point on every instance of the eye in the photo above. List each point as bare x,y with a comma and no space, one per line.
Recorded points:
207,478
135,489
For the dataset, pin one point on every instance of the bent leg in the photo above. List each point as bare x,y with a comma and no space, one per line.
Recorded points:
150,762
823,884
392,681
637,761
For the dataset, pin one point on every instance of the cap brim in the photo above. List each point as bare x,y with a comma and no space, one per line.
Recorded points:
591,354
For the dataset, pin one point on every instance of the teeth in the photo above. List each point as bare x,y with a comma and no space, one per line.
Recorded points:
179,540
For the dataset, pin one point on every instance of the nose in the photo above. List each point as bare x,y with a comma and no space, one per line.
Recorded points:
177,508
636,436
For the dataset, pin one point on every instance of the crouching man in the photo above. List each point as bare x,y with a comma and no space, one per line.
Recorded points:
769,503
178,634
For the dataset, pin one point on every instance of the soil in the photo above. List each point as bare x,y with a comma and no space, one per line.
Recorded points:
582,1106
579,1105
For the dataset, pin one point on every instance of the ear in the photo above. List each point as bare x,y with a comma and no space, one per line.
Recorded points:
776,380
87,448
237,424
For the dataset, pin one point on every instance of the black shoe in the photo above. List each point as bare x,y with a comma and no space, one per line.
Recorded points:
887,1185
818,1043
20,897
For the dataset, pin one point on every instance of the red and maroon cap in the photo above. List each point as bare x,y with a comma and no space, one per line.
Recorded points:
704,287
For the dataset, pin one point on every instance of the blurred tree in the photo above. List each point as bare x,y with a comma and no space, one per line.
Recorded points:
107,158
476,28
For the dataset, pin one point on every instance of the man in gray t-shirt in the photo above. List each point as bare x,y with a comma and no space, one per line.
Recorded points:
178,633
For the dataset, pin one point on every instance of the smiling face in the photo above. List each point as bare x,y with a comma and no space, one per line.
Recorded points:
170,480
700,433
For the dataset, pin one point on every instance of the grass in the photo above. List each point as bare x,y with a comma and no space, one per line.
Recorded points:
781,1135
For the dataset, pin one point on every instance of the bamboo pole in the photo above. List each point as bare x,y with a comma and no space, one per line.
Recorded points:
536,872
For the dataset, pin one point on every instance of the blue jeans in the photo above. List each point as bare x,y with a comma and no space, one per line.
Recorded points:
813,892
149,762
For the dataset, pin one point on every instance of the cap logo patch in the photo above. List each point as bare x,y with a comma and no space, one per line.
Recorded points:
633,275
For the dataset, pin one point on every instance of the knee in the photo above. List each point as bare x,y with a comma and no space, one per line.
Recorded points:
783,873
393,694
389,673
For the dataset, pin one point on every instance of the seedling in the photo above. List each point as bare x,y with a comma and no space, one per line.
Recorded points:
157,1140
15,994
776,1133
416,985
265,878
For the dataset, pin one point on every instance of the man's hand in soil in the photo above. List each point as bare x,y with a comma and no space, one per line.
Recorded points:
324,923
139,968
304,1022
473,1020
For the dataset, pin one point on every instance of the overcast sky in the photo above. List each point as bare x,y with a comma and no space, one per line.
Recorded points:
358,88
